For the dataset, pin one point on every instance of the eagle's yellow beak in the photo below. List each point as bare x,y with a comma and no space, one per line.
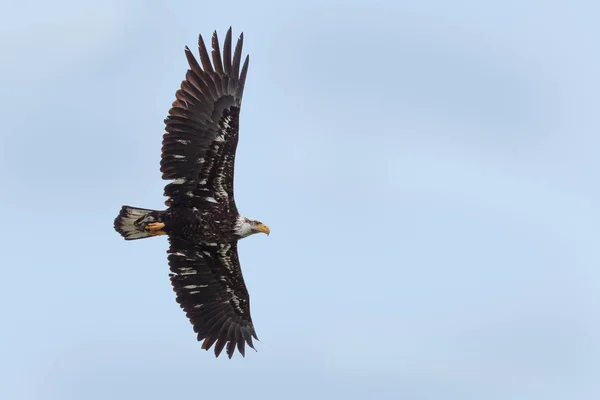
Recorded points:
262,228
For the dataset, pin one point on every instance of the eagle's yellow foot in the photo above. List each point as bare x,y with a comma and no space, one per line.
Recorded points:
155,228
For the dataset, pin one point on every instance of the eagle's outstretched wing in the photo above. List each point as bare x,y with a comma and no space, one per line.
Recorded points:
210,288
198,151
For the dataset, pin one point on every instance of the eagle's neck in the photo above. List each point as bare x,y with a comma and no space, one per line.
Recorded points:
243,227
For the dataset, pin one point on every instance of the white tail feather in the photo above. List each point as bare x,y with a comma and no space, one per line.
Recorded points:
125,223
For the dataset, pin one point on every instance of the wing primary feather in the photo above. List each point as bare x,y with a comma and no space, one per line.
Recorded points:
192,61
224,331
227,53
231,348
216,54
237,56
232,332
186,98
217,325
208,342
213,82
192,89
235,332
242,81
201,84
204,59
219,346
213,316
241,345
249,341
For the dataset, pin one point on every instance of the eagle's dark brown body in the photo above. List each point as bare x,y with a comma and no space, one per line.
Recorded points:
209,224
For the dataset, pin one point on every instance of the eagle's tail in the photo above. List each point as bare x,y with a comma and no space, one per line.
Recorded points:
138,223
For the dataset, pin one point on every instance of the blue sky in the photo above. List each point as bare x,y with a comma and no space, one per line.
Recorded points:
429,171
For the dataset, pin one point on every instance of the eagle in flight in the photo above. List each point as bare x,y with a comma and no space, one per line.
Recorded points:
202,221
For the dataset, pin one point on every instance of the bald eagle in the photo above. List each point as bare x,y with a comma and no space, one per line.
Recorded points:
202,221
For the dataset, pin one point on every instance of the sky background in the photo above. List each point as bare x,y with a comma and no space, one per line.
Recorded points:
429,171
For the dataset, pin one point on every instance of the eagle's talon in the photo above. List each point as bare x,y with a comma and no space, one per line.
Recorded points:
154,226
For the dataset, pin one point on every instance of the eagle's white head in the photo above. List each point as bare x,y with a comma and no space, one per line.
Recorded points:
245,227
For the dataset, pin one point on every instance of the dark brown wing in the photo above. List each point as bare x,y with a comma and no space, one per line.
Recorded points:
208,281
198,151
